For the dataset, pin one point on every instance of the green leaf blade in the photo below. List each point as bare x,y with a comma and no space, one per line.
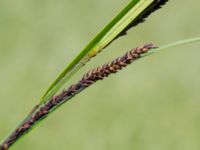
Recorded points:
134,9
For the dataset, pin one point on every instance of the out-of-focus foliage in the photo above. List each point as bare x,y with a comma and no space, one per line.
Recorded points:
152,104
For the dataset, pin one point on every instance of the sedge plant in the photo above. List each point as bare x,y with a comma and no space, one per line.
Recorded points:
134,13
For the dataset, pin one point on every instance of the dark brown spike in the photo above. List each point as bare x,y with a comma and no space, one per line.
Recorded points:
157,4
88,79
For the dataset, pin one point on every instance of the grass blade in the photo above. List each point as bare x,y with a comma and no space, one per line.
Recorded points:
130,16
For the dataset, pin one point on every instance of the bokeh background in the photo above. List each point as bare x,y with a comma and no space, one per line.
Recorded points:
151,105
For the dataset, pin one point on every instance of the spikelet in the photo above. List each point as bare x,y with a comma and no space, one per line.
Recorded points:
88,79
96,74
112,67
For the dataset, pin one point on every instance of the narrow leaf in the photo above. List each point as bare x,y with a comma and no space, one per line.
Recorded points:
130,16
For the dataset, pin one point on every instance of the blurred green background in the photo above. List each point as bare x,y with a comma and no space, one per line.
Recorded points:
151,105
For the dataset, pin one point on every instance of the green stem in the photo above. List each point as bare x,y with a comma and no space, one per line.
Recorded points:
175,44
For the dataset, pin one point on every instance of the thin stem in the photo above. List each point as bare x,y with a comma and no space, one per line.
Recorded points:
175,44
